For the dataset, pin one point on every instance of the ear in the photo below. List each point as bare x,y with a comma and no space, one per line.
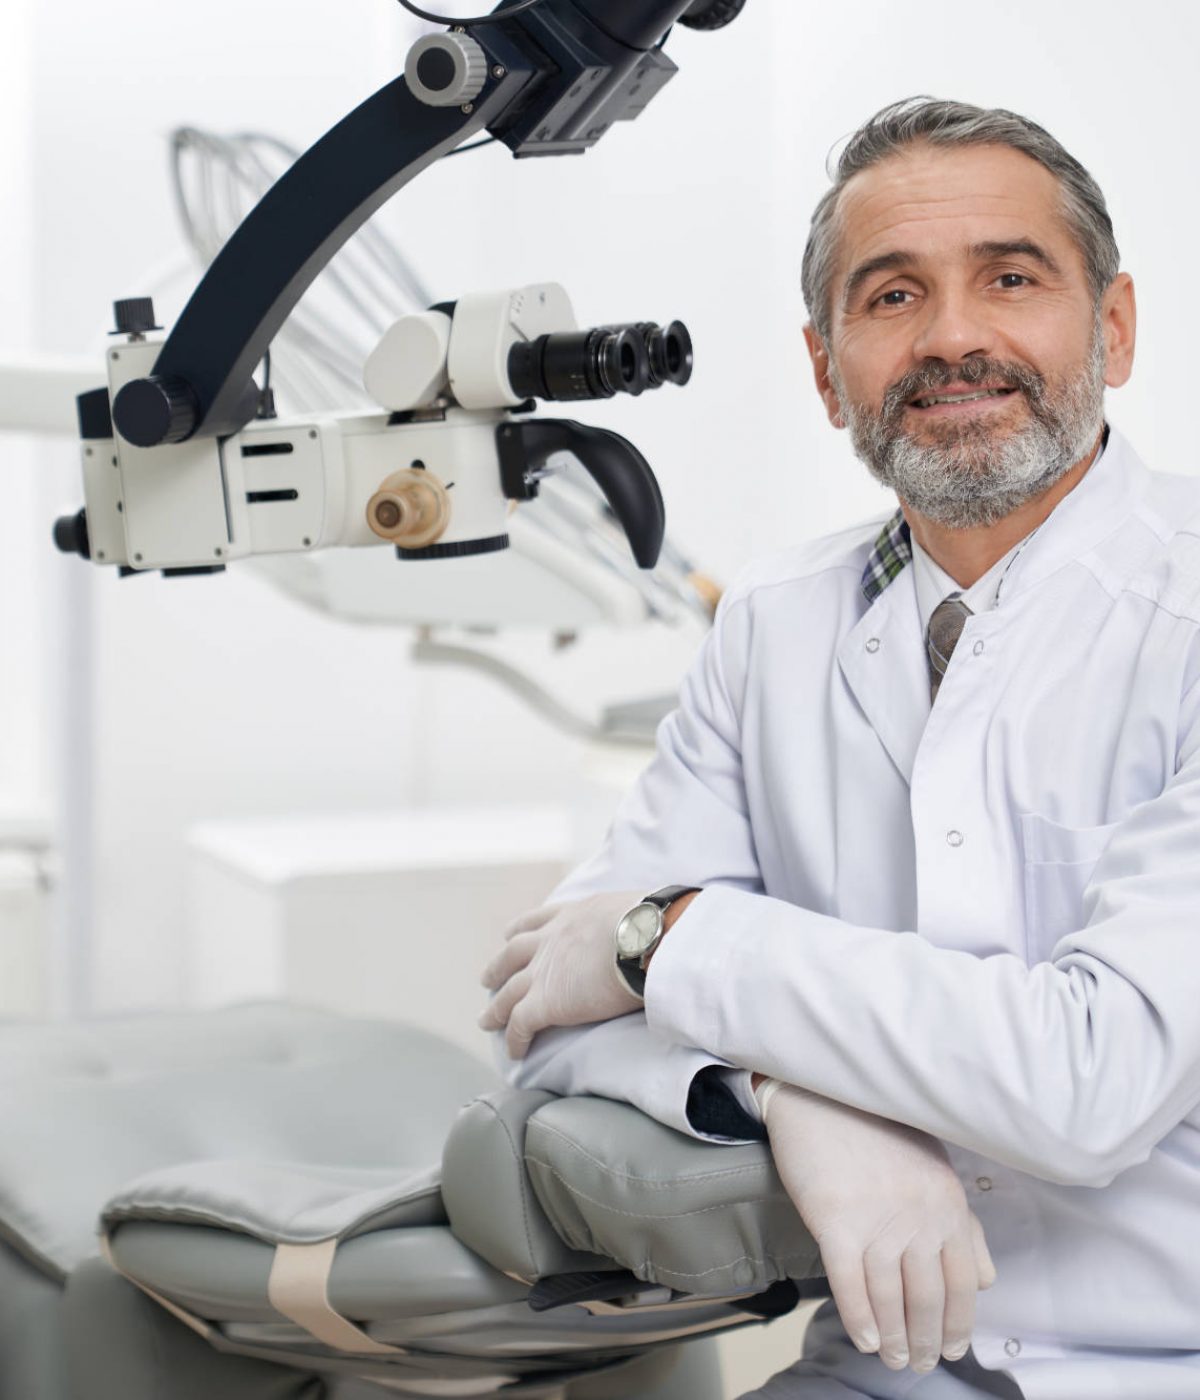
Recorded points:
1118,320
820,362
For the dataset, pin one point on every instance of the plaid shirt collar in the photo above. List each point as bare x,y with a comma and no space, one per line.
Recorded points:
891,551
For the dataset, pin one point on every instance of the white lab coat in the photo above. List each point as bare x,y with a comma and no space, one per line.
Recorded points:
982,920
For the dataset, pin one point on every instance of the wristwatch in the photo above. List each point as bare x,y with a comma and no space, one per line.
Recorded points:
640,931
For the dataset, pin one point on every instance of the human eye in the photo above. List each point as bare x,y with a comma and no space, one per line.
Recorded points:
892,297
1011,281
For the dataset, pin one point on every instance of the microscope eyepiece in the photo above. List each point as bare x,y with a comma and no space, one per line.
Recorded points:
670,349
624,361
601,362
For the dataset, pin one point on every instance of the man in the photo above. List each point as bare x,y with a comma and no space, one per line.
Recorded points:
937,785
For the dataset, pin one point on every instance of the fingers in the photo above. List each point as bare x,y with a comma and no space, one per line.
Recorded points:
500,1008
531,919
848,1284
515,955
924,1304
961,1273
885,1288
983,1256
513,1009
523,1025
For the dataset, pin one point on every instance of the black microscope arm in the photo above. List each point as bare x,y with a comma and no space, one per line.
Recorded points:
558,75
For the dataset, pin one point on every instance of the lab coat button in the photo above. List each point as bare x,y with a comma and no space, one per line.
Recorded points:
984,1183
954,838
872,644
977,648
1013,1346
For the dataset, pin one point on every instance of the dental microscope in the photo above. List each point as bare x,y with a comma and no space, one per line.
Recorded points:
186,465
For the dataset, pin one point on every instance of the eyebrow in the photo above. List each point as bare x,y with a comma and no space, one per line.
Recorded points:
1016,248
899,258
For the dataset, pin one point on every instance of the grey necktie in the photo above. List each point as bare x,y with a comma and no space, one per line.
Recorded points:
941,637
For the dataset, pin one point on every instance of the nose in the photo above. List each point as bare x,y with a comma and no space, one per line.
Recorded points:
953,326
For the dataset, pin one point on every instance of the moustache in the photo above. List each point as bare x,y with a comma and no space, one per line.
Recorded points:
937,375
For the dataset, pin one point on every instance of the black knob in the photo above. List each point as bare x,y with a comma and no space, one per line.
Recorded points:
134,316
156,410
712,14
71,534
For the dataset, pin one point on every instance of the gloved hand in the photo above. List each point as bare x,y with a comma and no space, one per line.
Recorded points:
903,1253
558,967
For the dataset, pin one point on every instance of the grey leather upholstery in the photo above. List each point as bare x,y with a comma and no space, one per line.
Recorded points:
103,1103
601,1177
204,1237
317,1114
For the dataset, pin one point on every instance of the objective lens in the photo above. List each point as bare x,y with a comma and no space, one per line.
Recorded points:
601,362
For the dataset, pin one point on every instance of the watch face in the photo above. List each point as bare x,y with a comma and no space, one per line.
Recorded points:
638,930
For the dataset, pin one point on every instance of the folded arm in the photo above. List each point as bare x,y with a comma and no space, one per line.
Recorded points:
1071,1070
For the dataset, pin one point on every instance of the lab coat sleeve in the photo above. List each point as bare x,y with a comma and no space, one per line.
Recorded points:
683,823
1071,1070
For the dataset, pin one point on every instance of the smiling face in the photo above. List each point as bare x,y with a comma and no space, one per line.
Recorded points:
966,353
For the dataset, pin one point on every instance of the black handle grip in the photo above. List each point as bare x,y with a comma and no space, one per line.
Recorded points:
614,464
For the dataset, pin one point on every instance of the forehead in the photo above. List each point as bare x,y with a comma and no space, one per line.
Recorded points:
935,202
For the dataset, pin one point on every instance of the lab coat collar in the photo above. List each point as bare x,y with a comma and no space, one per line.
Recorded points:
1105,497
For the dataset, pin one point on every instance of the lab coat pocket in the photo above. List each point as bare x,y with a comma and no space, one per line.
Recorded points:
1059,862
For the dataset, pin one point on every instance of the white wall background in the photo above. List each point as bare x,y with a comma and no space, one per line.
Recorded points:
22,770
216,698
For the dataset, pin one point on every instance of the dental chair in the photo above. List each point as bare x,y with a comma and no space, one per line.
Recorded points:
297,1206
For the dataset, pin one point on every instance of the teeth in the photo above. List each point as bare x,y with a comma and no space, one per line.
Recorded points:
961,398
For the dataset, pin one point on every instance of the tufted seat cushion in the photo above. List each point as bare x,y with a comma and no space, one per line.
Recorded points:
87,1108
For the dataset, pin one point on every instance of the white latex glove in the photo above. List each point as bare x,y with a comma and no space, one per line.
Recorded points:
558,967
903,1252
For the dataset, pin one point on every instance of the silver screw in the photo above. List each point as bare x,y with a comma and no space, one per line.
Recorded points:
468,108
307,542
312,432
499,71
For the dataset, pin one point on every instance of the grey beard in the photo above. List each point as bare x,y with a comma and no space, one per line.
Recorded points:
977,474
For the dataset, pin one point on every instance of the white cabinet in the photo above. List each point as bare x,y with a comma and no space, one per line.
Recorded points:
390,914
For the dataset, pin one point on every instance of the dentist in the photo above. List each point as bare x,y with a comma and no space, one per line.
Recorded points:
914,873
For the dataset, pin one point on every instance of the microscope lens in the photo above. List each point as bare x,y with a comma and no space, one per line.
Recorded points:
677,352
601,362
623,361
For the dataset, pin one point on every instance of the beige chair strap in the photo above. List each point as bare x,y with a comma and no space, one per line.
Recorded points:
299,1289
188,1319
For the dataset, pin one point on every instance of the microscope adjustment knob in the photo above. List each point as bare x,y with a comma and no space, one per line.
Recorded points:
134,316
158,409
71,534
446,70
411,509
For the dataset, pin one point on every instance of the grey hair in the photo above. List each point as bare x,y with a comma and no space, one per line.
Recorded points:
943,123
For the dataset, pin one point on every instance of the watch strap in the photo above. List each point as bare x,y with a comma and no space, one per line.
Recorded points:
668,895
